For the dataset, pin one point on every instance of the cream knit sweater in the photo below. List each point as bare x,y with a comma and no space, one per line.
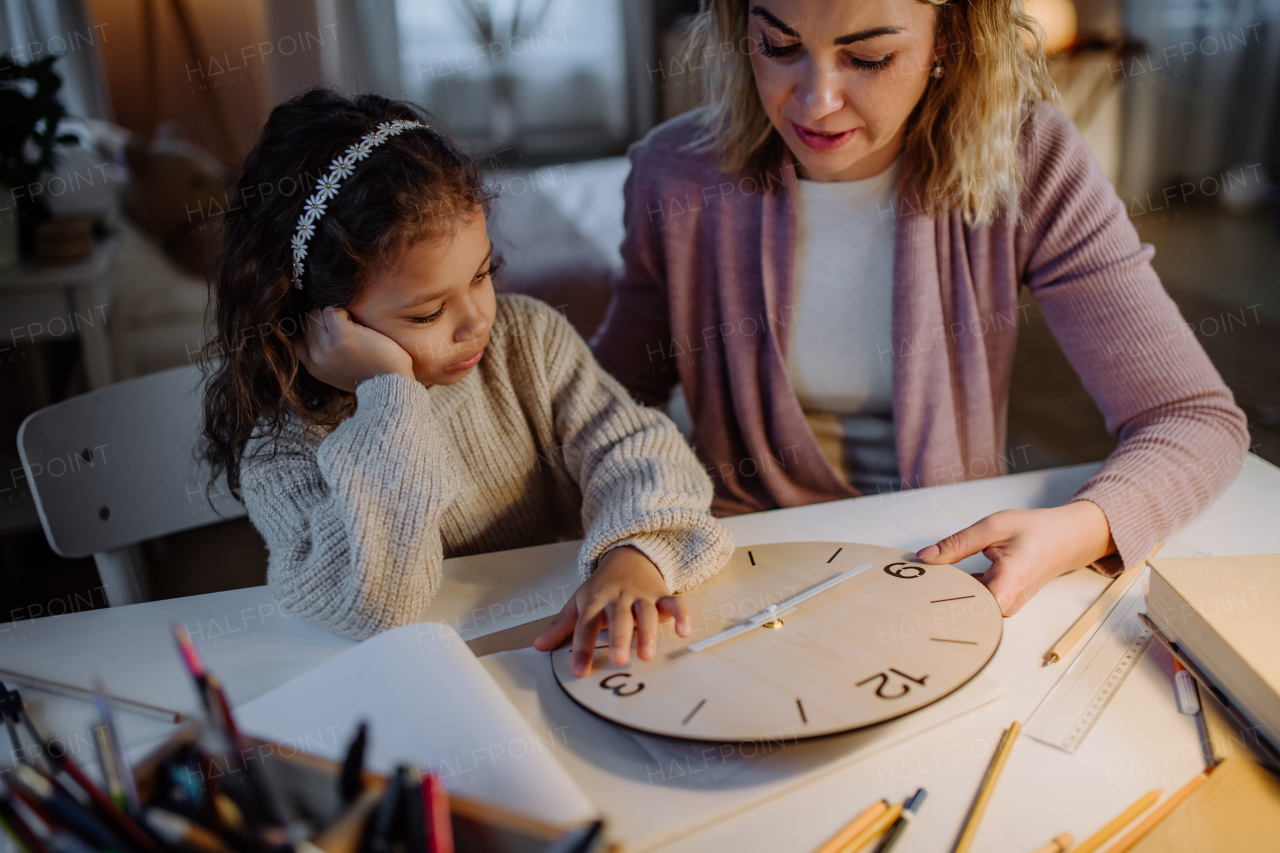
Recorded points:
537,444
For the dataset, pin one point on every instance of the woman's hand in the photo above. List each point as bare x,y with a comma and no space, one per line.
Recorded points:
1028,548
626,592
340,352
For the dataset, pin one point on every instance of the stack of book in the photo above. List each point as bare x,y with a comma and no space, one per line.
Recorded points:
1224,615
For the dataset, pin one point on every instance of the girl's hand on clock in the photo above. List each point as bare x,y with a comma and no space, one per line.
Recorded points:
627,594
1028,548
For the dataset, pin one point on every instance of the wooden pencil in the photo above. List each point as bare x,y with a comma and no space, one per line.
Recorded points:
31,682
1058,845
988,786
855,826
1119,822
1138,832
1098,610
877,827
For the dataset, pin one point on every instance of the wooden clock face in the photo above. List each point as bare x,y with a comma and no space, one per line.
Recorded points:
887,641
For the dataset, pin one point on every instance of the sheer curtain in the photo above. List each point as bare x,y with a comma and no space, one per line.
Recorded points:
1201,96
568,73
33,29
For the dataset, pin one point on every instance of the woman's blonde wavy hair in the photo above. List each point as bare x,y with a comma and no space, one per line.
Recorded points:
960,151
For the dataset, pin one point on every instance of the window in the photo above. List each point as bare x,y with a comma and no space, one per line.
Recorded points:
554,89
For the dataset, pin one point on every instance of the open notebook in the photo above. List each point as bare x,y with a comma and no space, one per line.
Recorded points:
501,729
428,701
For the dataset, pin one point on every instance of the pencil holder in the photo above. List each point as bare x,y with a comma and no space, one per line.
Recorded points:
227,792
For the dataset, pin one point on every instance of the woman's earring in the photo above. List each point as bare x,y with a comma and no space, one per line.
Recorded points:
938,70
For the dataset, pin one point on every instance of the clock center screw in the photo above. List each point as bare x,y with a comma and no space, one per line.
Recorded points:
774,621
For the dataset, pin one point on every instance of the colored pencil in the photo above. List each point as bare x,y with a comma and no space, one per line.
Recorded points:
1149,823
1098,610
874,829
855,826
70,691
1061,844
909,809
988,786
1119,822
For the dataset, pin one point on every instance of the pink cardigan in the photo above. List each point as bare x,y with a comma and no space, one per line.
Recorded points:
705,300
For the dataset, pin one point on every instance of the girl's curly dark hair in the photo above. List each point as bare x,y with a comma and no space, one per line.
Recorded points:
417,185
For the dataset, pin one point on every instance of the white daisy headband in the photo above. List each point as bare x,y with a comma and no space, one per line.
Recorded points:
327,187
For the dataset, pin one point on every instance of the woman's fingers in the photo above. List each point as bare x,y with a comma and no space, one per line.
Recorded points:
646,615
676,607
560,628
967,542
1011,584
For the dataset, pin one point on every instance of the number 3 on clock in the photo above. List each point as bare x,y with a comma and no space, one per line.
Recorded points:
884,682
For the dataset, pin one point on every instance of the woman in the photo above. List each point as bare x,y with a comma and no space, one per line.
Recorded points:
828,257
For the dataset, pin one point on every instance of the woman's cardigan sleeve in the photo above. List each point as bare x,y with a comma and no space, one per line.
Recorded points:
1182,437
637,327
353,525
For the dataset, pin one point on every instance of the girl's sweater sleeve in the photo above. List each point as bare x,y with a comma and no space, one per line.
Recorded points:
642,485
352,525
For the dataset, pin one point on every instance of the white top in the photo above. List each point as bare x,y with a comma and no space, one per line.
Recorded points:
840,352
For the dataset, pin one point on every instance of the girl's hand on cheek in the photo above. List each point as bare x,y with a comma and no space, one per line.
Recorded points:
627,594
340,352
1028,548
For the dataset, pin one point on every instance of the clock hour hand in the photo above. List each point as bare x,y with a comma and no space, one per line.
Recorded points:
773,611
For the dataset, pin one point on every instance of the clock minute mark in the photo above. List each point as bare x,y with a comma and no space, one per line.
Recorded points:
696,709
751,557
941,640
957,598
836,554
800,706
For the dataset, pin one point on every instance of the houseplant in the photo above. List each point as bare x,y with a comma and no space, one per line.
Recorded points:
29,115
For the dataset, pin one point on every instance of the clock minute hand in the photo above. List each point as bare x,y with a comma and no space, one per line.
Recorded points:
773,611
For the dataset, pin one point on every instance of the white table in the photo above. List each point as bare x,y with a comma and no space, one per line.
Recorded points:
44,301
1141,742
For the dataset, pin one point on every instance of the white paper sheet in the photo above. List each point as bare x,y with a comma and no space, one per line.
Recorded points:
652,789
428,701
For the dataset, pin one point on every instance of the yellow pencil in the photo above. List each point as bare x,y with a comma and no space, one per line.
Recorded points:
1119,822
1058,845
1097,610
877,827
1136,834
855,826
988,785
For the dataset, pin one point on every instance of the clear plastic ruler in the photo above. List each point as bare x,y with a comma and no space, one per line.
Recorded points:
1065,717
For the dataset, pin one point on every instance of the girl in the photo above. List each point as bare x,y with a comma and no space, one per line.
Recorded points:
378,408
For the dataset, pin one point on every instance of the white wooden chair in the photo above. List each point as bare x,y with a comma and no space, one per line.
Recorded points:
116,467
